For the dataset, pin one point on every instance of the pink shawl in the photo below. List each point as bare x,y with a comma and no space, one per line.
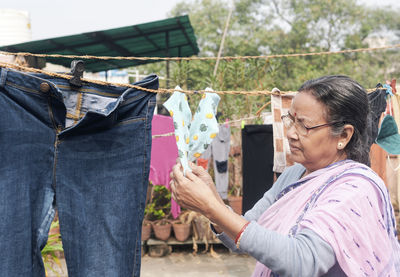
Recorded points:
348,206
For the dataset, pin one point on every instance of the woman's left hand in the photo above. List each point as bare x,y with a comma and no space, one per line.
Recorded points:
190,191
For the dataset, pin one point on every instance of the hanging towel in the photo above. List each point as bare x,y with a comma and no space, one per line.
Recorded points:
280,105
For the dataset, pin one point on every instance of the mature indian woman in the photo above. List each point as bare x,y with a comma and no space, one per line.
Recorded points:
327,215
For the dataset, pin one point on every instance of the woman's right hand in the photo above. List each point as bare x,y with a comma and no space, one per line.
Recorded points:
202,174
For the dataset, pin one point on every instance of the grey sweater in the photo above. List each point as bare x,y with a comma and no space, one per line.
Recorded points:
305,254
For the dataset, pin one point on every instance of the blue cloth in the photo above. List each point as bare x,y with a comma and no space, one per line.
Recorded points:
90,162
388,89
193,136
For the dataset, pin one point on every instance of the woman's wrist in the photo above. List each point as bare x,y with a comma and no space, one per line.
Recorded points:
214,208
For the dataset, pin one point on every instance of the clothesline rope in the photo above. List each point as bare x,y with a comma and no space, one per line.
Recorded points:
240,120
204,58
159,90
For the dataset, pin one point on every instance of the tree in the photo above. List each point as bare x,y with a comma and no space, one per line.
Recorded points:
263,27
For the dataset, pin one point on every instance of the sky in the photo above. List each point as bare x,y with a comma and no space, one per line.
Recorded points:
54,18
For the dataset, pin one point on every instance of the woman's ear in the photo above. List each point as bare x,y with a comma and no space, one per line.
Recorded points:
346,136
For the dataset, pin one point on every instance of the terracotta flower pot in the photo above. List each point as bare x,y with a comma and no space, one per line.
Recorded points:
162,229
146,230
181,230
236,203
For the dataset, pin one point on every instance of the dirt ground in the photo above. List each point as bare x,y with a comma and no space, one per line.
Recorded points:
186,264
183,263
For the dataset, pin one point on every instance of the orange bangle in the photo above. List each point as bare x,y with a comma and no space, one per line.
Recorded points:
241,231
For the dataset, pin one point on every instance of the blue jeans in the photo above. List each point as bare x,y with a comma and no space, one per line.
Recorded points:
83,151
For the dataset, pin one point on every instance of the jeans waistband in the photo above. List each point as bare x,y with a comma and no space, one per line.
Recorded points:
46,85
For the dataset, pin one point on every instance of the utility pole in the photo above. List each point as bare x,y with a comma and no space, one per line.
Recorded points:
221,46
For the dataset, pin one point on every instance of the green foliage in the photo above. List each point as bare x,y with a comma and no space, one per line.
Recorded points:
264,27
159,206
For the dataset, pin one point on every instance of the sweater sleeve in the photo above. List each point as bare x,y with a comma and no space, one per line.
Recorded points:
305,254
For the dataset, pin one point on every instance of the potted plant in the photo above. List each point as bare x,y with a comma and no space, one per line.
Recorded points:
158,210
146,230
162,229
181,227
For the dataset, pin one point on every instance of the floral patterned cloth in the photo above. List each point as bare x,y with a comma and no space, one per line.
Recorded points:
193,135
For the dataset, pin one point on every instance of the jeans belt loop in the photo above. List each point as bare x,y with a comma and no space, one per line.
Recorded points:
3,76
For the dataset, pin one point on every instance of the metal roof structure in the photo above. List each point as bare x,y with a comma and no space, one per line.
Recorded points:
172,37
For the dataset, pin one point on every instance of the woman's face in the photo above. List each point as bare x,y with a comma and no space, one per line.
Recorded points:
314,148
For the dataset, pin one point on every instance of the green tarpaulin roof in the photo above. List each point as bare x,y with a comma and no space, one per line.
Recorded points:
173,37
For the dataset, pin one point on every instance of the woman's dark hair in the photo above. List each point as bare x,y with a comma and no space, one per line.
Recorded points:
347,103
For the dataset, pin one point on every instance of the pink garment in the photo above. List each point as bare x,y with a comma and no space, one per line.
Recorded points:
348,205
164,153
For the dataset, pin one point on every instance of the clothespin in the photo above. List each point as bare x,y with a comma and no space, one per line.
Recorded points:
77,69
242,124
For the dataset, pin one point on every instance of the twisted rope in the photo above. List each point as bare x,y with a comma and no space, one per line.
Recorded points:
203,58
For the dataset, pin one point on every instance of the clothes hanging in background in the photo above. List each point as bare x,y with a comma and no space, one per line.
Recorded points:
258,161
280,105
219,150
377,157
93,165
164,153
193,136
395,188
377,105
388,136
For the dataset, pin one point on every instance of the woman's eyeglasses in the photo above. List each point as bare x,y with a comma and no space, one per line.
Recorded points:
289,120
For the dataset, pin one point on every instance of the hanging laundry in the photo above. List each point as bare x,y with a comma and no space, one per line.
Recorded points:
193,136
280,105
388,136
219,149
377,105
394,161
163,154
258,151
95,171
205,157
